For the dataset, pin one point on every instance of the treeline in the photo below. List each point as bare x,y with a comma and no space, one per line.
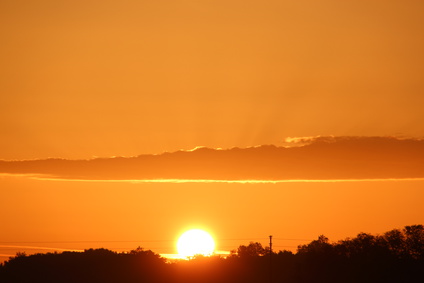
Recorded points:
395,256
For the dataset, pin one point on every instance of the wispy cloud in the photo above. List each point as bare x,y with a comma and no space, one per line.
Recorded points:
16,247
316,158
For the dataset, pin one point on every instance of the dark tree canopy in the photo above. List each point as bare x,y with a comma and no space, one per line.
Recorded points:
251,250
395,256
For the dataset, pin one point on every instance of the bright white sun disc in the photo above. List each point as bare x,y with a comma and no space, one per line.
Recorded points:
195,242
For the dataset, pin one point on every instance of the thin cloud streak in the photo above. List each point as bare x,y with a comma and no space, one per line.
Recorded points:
319,159
14,247
181,181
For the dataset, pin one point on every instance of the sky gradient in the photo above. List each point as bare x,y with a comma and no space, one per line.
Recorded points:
102,78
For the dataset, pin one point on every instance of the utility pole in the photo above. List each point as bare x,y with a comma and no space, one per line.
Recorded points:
270,259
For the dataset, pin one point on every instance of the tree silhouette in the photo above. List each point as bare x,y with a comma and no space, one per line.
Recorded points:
415,241
395,256
253,249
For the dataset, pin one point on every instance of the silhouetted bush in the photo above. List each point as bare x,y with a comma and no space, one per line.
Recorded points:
395,256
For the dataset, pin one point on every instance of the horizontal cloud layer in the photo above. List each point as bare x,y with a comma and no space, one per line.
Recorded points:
322,158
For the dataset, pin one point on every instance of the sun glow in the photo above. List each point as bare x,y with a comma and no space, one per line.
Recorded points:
195,242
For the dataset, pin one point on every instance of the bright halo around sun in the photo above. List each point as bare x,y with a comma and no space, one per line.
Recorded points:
195,242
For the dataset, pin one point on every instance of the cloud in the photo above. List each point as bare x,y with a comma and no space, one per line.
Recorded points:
15,247
318,158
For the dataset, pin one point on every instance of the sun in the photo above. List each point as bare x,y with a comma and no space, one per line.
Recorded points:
195,242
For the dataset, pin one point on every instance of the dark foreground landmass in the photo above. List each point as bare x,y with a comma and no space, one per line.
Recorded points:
395,256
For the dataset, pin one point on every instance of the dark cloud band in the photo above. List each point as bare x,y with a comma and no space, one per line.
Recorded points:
322,158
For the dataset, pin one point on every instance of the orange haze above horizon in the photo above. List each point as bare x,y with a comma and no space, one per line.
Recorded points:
123,215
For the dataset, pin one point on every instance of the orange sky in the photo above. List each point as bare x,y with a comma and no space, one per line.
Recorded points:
80,79
124,215
104,78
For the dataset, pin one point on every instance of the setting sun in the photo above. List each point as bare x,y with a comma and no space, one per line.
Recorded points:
195,242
